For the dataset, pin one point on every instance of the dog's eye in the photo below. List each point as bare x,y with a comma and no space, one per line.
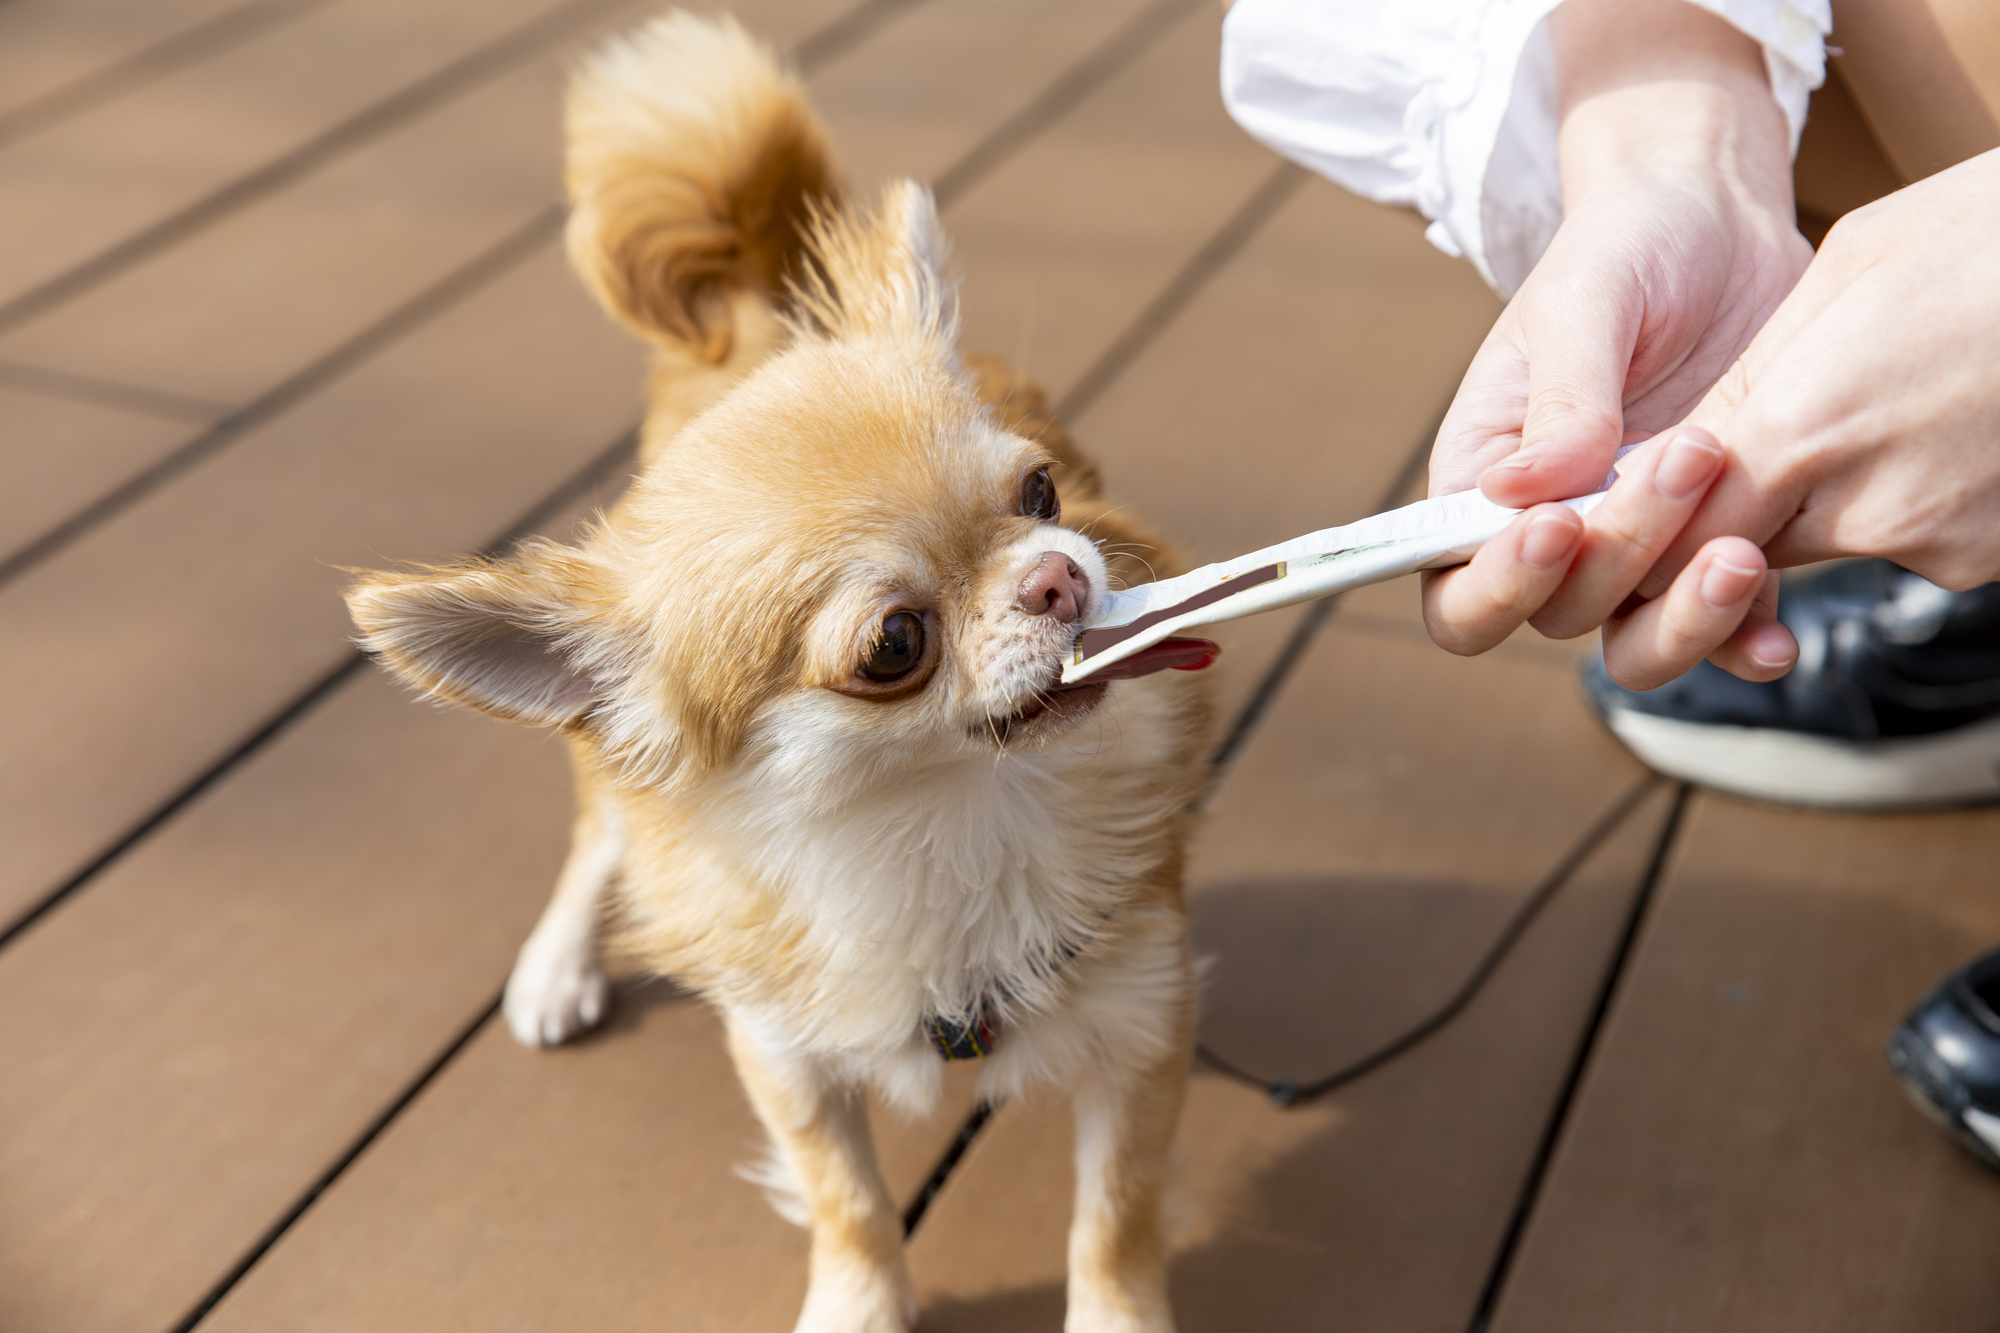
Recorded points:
1039,498
898,648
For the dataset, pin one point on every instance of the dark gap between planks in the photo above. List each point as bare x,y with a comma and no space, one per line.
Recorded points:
512,250
99,392
333,1172
579,483
1614,973
478,66
1098,67
136,69
226,425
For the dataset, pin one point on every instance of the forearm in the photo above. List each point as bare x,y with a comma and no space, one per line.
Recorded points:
1662,89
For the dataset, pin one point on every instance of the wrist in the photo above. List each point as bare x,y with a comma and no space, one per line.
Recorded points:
1662,91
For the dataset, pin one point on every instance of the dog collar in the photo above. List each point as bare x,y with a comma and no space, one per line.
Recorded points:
971,1039
975,1037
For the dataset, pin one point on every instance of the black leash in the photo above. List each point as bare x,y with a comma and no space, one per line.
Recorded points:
1290,1092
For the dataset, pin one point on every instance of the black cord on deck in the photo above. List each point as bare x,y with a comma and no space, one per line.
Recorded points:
1288,1092
940,1173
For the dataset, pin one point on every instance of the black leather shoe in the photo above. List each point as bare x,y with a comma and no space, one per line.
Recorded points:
1948,1056
1894,703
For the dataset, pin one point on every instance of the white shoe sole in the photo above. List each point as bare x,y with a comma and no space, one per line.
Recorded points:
1986,1126
1957,767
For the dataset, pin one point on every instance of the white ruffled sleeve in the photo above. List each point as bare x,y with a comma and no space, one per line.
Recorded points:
1449,106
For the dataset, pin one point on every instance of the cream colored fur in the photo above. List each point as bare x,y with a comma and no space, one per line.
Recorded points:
832,859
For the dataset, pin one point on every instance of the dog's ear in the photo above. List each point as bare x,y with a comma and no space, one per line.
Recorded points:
881,274
509,637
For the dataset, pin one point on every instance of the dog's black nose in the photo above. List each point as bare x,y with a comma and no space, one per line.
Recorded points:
1054,587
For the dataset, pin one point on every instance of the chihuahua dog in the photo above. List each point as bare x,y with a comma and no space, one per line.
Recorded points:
808,670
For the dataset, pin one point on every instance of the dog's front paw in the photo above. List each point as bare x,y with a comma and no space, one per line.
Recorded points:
859,1300
1109,1310
554,994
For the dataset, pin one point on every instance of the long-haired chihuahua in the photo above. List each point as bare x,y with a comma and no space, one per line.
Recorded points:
808,671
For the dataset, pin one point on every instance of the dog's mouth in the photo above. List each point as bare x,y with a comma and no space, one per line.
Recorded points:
1054,706
1049,710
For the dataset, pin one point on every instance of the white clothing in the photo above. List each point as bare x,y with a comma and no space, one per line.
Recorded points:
1449,106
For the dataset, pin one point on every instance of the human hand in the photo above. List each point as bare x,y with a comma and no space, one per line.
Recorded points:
1678,243
1865,417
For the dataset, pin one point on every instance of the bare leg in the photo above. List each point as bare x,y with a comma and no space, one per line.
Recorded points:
859,1283
557,988
1125,1119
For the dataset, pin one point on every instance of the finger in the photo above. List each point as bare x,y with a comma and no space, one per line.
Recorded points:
1580,336
1483,424
1761,648
1739,503
1756,497
1703,609
1470,609
1661,486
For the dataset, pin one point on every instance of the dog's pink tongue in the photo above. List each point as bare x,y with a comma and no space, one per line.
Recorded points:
1166,655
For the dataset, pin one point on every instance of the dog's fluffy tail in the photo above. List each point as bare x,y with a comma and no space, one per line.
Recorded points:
695,168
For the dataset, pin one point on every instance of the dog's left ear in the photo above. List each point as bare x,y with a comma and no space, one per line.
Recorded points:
508,637
881,274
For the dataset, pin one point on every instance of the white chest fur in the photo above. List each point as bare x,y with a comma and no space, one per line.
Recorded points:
935,889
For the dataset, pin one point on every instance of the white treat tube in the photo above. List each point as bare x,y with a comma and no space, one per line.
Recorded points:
1429,534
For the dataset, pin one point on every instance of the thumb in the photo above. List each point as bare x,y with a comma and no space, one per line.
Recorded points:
1578,360
1735,506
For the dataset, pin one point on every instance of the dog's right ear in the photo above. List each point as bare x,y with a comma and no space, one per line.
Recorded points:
881,274
508,637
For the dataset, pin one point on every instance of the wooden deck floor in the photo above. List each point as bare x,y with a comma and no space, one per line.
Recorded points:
279,292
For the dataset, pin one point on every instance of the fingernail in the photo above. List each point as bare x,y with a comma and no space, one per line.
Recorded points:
1516,462
1547,541
1725,584
1686,467
1771,648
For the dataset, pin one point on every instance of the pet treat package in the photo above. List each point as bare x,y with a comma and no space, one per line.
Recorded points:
1429,534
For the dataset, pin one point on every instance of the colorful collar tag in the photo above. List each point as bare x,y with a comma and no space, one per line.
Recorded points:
954,1040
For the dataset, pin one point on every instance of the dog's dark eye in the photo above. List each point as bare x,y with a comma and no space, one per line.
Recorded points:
1039,498
898,649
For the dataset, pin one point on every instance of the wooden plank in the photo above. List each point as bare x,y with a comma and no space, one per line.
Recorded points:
63,454
217,1016
174,631
1292,393
593,1186
99,179
260,295
1075,236
917,103
49,46
1740,1156
307,965
1376,835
